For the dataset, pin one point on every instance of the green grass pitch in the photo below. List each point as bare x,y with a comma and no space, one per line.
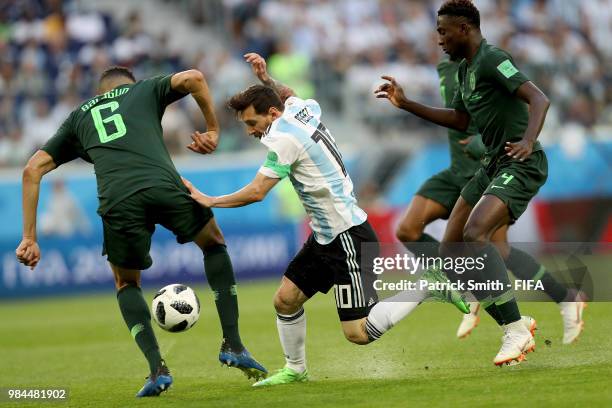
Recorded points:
81,343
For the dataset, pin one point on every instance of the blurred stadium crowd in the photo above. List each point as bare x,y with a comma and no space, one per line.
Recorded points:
52,51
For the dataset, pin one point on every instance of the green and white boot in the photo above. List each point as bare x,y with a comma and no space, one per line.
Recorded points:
448,295
285,375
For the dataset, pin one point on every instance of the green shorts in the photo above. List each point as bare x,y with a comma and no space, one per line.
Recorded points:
512,181
129,225
444,188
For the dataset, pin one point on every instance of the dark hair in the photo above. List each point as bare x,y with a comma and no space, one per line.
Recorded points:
260,96
117,72
461,8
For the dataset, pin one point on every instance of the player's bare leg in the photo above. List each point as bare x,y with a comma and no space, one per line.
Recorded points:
420,212
291,323
220,276
487,216
135,312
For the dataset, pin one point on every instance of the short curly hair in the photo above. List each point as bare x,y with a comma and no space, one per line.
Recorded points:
461,8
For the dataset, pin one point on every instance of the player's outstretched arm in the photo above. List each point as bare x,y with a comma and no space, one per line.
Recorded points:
194,83
450,118
28,252
253,192
258,64
538,107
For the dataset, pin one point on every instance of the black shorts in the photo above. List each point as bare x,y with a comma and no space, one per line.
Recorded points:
342,264
129,225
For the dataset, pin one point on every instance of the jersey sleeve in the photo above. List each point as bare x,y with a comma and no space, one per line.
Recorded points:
163,90
500,68
64,146
282,154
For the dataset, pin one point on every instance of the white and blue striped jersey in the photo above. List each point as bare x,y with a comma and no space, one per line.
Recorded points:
299,146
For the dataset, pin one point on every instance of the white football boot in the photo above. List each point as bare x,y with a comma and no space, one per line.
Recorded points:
469,321
516,342
571,312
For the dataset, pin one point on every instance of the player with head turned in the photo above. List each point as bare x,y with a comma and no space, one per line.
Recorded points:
120,132
339,253
509,111
436,198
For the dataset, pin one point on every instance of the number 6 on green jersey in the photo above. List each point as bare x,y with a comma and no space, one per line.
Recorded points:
101,123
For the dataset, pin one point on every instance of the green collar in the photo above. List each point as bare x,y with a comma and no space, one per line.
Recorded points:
481,47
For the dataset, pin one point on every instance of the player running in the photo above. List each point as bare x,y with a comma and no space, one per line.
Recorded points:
436,198
119,131
301,148
509,111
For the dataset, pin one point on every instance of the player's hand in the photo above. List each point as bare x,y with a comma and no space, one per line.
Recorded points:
28,252
391,91
258,65
197,195
519,150
204,143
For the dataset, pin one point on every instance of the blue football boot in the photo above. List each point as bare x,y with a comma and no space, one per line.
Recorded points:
156,383
242,360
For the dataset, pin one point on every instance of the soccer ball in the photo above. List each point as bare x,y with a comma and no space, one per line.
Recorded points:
176,307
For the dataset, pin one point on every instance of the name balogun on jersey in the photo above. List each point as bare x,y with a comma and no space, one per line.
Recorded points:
108,95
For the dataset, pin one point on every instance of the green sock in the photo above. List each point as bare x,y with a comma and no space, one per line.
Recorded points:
137,316
220,276
523,266
502,298
426,245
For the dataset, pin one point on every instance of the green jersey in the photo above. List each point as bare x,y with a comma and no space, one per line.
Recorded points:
461,163
120,132
487,89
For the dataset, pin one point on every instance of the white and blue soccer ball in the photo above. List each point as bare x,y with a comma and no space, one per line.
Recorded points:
176,307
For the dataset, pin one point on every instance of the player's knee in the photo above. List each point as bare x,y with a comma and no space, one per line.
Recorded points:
359,337
407,233
210,237
285,304
473,232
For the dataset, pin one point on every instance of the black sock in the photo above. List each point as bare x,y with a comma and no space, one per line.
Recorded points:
137,316
509,311
494,313
523,266
220,276
426,245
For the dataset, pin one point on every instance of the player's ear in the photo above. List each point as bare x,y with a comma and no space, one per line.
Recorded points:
274,112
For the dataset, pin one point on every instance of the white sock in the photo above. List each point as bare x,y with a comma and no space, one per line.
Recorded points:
384,315
292,334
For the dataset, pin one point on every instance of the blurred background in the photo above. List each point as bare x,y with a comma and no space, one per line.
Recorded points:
52,52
